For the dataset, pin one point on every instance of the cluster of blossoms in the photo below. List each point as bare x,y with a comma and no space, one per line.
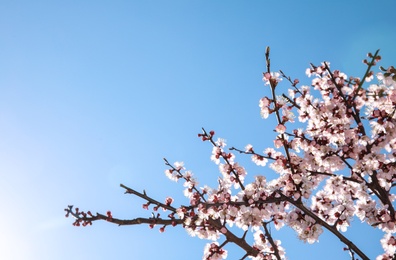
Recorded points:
341,165
214,251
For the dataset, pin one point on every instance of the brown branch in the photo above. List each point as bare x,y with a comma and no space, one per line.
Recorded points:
271,241
149,199
251,153
372,63
138,221
256,203
382,194
278,117
231,237
323,223
86,218
291,101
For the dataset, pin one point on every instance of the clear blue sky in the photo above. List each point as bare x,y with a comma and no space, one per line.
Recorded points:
96,93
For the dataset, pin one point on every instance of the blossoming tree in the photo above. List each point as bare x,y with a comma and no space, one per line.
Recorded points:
340,166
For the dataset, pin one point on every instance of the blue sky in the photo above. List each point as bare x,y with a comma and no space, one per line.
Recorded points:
96,93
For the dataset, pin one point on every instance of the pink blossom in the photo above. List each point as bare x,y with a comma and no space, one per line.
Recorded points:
280,128
278,143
